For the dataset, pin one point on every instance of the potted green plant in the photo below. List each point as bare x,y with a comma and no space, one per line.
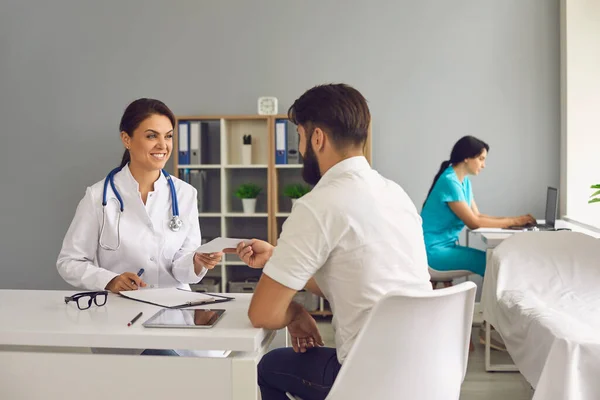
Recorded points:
248,192
295,191
595,197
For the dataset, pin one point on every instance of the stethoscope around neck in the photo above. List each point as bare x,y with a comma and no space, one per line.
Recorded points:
174,224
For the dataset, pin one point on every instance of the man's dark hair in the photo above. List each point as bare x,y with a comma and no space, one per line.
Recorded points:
338,109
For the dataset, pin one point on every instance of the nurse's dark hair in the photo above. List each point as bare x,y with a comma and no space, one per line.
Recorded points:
138,111
466,147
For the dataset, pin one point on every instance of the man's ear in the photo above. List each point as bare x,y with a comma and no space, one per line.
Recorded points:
126,139
318,139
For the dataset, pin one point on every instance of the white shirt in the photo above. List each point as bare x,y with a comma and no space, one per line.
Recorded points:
361,237
146,239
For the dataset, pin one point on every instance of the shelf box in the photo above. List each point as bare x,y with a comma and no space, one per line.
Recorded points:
214,273
243,277
207,285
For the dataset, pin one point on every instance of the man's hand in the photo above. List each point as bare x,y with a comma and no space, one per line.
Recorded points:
125,281
255,254
304,332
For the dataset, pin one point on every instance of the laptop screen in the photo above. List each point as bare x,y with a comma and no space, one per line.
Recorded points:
551,205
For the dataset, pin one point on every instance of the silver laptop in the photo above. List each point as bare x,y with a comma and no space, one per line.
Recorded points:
551,213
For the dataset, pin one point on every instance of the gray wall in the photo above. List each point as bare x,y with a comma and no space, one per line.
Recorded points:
431,70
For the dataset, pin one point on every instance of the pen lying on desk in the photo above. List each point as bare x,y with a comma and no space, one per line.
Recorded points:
135,319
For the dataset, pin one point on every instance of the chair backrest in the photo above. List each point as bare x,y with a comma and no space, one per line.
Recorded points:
414,346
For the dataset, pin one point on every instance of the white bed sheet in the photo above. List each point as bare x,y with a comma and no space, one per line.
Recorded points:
542,294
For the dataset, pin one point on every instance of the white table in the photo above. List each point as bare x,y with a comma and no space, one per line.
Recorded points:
492,237
44,351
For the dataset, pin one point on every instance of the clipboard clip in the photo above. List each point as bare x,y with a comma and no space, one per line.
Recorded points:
216,299
198,303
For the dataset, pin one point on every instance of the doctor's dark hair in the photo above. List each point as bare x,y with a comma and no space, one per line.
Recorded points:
338,109
138,111
466,147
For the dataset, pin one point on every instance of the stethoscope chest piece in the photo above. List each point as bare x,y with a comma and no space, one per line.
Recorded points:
175,223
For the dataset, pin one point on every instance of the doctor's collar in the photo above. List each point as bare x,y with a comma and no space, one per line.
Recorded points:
159,185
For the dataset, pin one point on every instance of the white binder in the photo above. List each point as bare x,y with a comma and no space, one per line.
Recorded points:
195,149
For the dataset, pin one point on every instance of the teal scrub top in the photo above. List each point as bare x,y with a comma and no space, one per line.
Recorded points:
441,227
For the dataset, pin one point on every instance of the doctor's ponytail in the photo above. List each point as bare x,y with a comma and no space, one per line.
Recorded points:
138,111
466,147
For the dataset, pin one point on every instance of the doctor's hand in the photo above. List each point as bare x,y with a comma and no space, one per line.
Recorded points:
304,332
255,253
525,220
125,281
206,260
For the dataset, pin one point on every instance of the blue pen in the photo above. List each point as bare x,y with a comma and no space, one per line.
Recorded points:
140,272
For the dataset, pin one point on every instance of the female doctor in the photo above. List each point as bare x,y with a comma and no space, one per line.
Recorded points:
139,217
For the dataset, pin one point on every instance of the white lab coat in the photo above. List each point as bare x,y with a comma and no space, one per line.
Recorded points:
146,239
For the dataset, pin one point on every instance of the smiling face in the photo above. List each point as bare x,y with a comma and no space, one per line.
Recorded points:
477,163
150,143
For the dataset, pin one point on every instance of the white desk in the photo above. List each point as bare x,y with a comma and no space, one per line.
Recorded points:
493,237
62,369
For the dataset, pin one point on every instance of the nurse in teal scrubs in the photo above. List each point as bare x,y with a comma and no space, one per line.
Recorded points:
450,206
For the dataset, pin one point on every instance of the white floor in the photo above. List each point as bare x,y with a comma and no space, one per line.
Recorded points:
478,384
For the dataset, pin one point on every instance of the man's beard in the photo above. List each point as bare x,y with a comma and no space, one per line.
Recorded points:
310,170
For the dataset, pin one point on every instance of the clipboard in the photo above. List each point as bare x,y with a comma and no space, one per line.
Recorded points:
173,298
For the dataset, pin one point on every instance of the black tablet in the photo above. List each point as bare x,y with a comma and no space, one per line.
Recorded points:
178,318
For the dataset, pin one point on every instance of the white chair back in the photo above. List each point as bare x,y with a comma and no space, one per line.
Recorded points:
414,346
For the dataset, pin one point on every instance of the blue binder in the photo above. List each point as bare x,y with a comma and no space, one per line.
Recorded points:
280,141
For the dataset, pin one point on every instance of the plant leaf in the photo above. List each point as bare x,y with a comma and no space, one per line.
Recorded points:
596,200
248,191
596,193
595,186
